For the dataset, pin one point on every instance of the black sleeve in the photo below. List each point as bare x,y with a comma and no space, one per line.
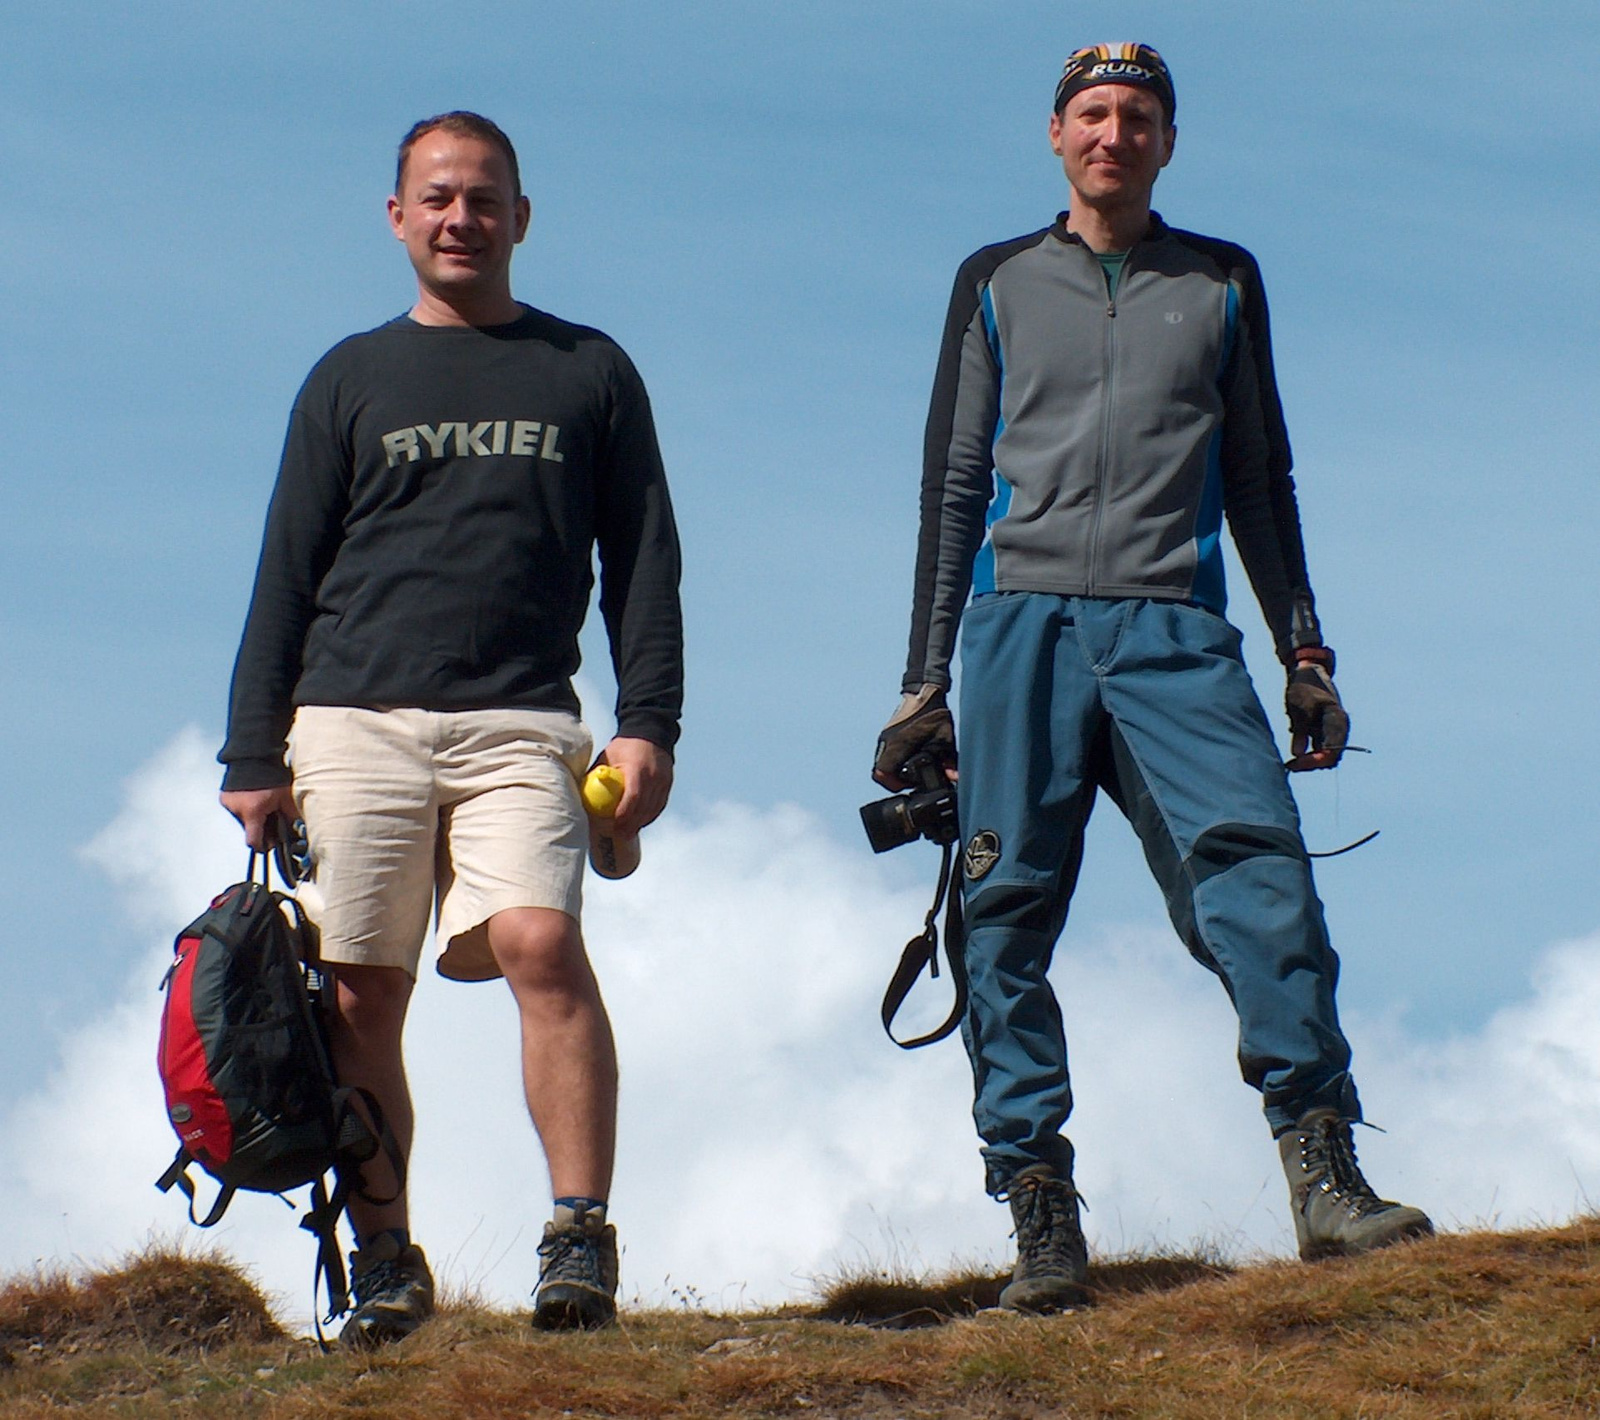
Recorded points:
639,567
957,475
303,532
1258,491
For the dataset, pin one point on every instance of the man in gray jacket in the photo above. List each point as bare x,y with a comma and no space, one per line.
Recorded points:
1104,397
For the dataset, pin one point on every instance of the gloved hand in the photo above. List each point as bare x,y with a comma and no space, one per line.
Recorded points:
922,722
1319,729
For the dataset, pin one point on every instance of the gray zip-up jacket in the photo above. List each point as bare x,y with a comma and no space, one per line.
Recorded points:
1086,446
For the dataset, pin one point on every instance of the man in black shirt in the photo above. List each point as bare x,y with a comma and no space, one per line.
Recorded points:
404,685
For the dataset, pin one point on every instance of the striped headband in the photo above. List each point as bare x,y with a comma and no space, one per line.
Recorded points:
1135,64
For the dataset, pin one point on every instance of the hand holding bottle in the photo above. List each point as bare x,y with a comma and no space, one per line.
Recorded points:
611,854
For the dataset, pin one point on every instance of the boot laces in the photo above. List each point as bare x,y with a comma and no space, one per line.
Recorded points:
378,1280
570,1255
1332,1146
1048,1234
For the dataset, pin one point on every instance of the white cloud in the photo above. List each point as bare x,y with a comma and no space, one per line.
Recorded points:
769,1133
1503,1127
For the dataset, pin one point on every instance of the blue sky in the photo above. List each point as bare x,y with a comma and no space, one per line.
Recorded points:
766,206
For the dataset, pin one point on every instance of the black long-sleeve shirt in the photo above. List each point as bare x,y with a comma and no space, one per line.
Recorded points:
430,539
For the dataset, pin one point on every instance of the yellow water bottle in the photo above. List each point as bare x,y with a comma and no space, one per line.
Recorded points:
611,854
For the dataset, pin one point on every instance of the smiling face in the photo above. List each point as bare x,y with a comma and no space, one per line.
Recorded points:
1113,140
460,217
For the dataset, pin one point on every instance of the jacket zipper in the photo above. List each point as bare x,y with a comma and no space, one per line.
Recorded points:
1107,403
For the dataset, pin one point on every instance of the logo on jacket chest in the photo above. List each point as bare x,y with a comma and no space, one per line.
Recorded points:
521,438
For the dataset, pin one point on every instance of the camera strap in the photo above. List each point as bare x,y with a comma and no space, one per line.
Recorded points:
923,950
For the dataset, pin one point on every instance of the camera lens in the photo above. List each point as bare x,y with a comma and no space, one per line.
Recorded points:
887,823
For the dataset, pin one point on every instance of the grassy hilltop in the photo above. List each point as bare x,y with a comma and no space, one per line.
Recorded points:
1491,1325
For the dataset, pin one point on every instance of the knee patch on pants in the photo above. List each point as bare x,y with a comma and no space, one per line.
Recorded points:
1219,848
1024,906
1225,845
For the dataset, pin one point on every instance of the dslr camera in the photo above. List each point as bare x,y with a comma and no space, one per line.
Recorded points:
927,810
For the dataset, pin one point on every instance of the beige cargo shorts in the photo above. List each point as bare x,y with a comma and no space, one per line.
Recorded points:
468,812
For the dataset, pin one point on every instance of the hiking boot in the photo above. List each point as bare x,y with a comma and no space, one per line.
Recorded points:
1336,1213
393,1292
577,1273
1052,1258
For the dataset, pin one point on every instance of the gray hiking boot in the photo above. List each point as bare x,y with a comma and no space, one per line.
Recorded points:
1052,1258
1336,1213
577,1273
393,1292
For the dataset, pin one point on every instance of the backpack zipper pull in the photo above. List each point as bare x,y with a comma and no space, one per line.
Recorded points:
166,980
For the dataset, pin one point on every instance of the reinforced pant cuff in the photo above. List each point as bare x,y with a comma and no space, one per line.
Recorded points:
1339,1093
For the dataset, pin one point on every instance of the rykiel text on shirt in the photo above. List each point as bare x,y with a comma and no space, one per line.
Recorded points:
461,438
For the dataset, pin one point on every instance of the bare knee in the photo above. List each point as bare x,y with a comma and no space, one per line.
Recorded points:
372,1000
540,950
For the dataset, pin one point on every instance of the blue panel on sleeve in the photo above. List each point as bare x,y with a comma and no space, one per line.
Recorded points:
983,571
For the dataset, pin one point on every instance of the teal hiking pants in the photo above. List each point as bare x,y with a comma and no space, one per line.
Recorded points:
1061,696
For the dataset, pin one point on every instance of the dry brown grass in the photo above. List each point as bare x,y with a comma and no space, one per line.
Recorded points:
894,1299
1480,1326
164,1300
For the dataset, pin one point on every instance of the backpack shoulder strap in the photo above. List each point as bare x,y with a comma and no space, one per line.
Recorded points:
322,1222
357,1141
178,1173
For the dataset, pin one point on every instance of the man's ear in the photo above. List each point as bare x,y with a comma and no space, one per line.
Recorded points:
396,222
1055,134
523,215
1172,139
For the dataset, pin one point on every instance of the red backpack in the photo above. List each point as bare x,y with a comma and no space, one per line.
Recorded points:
249,1079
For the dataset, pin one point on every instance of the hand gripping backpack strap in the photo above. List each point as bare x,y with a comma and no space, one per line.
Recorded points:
923,950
